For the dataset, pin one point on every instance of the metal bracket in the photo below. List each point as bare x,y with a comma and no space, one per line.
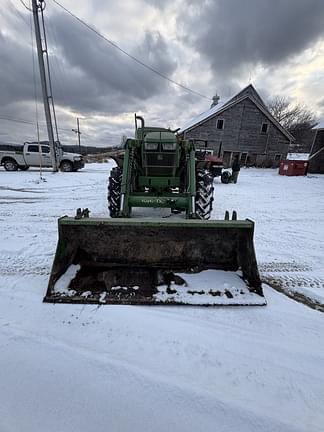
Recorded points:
227,215
84,213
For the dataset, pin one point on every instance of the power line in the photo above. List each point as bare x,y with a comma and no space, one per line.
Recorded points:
21,1
17,120
29,122
34,74
47,66
22,16
130,55
58,68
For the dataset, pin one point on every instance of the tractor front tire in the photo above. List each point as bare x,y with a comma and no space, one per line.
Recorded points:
204,195
114,191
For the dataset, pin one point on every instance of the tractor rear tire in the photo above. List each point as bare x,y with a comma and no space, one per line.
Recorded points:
114,191
204,195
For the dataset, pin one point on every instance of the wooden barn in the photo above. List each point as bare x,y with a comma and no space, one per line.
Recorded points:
316,157
241,126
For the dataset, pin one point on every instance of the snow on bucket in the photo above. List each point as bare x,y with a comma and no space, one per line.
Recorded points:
127,261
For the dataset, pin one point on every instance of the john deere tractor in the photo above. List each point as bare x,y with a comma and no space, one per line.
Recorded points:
159,169
154,260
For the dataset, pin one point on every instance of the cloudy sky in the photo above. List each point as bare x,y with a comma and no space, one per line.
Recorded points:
207,45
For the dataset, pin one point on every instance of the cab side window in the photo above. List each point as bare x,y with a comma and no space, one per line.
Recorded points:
33,148
45,149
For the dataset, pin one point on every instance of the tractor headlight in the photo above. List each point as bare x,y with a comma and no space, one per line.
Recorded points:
151,146
169,146
76,158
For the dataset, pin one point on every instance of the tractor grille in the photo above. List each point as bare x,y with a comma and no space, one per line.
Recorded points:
160,160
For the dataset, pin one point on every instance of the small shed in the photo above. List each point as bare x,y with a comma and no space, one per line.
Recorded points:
296,164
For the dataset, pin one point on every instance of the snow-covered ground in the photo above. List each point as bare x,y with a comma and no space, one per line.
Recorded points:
289,234
141,368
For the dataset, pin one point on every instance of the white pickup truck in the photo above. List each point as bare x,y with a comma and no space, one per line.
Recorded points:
32,154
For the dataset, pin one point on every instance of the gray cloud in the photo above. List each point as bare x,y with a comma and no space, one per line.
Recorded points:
88,76
99,77
233,34
219,43
16,76
159,4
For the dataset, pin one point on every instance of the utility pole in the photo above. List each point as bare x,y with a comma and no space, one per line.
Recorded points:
77,131
38,5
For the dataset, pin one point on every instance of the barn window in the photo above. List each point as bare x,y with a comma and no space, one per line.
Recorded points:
264,128
220,124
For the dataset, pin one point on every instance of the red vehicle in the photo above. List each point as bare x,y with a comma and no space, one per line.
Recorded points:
214,164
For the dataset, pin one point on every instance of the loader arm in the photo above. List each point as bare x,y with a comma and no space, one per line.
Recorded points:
192,183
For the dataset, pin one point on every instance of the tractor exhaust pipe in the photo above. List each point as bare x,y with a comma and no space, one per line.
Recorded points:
141,120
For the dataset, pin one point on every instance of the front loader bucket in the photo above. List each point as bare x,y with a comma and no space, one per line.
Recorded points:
146,261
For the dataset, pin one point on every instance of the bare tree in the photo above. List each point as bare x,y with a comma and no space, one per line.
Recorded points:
123,140
296,118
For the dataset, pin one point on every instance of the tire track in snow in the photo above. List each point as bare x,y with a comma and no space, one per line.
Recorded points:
298,281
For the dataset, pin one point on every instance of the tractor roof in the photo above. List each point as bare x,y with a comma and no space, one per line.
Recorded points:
162,135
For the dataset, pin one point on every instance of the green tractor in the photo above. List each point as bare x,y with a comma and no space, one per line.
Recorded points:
160,170
154,260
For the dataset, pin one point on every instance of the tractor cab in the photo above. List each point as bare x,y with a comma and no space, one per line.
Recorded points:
160,153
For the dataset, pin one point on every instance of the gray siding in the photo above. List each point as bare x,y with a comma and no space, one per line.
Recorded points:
316,165
242,133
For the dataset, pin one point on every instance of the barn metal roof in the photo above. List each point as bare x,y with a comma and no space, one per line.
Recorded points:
200,118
